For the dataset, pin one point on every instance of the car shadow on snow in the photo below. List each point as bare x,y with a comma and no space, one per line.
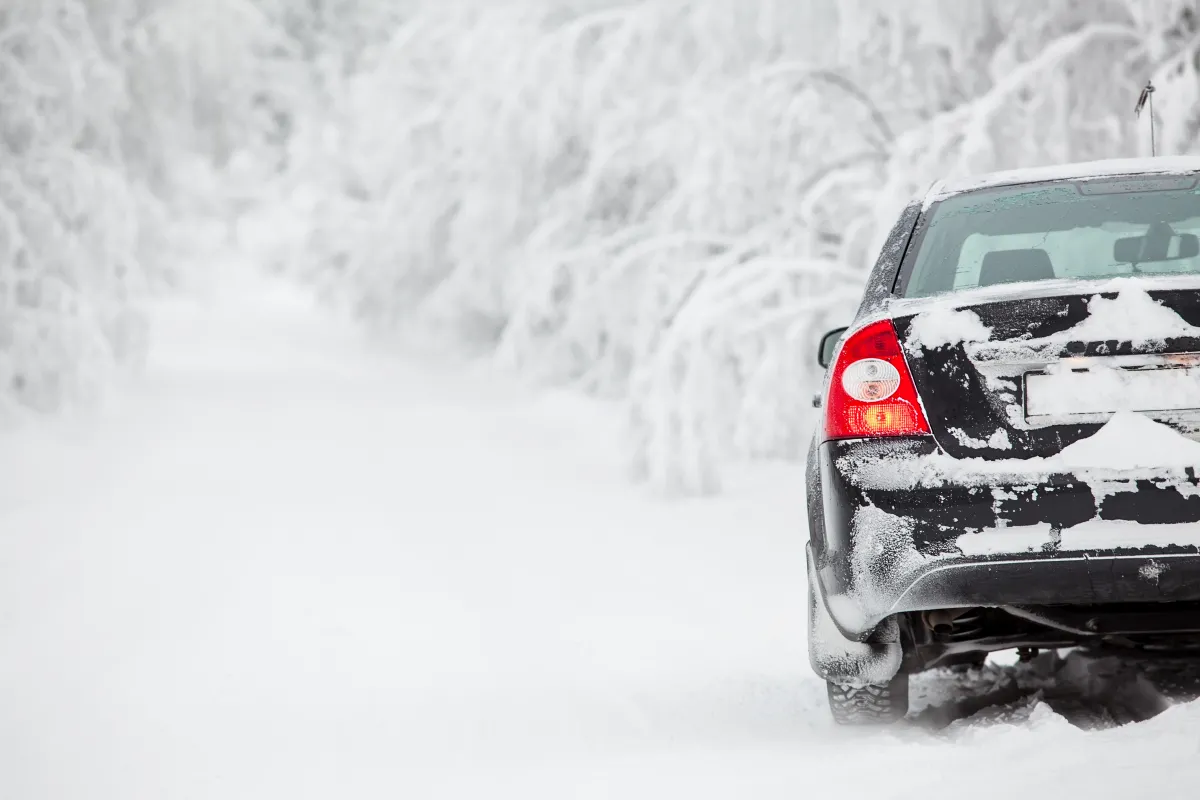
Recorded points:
1091,690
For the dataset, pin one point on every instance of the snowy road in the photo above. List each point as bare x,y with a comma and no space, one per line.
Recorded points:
285,567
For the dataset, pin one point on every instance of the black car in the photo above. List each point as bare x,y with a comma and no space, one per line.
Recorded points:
1007,454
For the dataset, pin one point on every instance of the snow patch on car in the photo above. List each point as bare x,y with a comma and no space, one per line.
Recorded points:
997,441
884,560
883,544
1153,571
1095,534
938,469
1104,489
1133,316
1006,541
1107,534
1129,441
942,326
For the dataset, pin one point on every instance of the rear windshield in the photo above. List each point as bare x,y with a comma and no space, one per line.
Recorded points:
1093,229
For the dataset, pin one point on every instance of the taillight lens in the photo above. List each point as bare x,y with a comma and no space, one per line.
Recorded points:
870,380
871,392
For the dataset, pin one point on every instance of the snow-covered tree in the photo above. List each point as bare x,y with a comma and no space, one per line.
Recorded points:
668,201
107,108
660,201
69,222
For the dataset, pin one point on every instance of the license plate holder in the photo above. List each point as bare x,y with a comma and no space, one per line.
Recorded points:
1084,392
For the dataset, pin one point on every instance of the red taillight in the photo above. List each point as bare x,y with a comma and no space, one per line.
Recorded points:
871,392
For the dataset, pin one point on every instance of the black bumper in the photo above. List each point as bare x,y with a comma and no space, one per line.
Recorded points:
883,546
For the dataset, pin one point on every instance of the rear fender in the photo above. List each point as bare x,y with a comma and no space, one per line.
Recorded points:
843,661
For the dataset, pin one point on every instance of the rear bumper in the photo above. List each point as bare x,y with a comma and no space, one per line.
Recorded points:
894,540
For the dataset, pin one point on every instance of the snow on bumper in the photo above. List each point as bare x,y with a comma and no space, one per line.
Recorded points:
901,532
834,657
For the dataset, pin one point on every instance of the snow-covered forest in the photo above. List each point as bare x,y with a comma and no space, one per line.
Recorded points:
661,202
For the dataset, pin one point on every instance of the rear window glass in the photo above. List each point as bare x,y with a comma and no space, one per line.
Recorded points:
1094,229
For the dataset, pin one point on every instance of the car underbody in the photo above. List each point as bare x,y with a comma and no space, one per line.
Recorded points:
944,636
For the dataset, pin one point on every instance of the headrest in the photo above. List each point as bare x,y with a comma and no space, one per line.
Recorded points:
1010,266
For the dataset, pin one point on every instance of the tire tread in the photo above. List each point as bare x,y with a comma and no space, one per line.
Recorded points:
872,704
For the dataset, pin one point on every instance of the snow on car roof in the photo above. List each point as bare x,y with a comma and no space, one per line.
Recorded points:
1088,169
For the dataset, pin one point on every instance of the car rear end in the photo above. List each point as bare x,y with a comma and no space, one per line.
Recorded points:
1009,452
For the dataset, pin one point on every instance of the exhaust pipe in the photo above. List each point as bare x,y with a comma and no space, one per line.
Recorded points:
941,621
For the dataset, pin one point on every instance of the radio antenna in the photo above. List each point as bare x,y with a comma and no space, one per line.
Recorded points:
1147,97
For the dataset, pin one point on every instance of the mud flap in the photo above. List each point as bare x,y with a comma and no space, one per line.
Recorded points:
842,661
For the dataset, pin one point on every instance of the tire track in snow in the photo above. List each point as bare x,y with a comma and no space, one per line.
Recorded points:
1091,690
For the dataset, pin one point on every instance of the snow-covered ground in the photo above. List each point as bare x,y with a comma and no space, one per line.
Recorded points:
286,566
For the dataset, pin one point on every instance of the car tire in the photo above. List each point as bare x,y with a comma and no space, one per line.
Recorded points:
872,704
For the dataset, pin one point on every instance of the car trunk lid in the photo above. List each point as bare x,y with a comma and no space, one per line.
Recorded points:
1024,373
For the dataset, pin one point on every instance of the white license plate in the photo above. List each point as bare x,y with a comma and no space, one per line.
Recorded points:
1101,391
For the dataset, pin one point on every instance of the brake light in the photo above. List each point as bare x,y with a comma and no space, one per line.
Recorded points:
871,391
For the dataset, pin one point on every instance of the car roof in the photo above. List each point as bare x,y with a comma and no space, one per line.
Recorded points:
1087,169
